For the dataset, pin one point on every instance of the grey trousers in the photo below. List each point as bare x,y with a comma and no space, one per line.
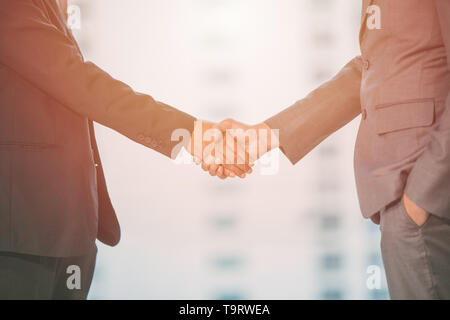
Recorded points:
416,259
27,277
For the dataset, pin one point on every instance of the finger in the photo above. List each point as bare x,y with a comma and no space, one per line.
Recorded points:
221,174
223,177
233,168
213,170
197,160
239,161
245,168
242,166
229,173
243,176
226,124
205,166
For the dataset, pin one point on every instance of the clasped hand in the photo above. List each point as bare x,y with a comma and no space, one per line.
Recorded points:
229,149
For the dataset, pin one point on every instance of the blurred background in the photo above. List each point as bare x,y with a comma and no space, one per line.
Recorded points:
296,234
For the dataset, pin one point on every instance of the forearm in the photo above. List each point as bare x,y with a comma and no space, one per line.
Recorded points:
47,58
325,110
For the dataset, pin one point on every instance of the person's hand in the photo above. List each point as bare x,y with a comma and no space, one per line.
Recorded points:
243,145
207,146
416,213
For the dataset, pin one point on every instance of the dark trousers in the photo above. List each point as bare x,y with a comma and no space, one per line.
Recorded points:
416,259
27,277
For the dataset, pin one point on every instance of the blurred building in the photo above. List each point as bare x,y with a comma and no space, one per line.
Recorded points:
297,234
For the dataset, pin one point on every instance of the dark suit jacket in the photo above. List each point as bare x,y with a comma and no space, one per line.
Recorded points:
53,197
400,84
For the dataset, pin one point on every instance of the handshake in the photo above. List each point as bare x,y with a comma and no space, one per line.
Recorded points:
229,149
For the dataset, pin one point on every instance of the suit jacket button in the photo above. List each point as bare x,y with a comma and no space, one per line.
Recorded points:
141,137
364,114
366,64
148,140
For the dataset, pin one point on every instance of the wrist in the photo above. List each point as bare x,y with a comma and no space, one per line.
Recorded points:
196,139
272,138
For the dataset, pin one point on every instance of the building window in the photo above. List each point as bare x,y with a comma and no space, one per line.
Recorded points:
332,294
332,261
329,222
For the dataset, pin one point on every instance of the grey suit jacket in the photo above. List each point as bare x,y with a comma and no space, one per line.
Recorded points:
53,198
400,84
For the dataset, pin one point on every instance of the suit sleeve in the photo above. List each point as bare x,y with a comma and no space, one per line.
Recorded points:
429,181
328,108
49,59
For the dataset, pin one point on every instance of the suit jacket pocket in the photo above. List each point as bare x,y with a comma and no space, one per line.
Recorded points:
404,115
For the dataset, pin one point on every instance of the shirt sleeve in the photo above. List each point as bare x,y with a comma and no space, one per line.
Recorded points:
311,120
